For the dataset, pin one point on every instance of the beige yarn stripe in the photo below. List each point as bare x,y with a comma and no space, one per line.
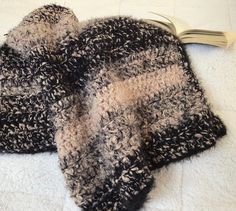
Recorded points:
124,93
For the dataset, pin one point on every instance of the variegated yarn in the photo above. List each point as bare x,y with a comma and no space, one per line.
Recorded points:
115,96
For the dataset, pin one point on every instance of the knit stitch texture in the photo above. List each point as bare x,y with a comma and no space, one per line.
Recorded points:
115,96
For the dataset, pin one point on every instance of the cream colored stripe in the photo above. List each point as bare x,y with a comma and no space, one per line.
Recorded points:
124,93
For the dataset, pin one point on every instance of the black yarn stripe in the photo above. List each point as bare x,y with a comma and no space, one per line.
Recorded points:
36,148
39,102
34,120
169,143
28,142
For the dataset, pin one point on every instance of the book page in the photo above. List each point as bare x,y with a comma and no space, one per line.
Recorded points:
188,35
179,24
161,21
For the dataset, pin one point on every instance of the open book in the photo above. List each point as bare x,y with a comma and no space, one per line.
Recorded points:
188,35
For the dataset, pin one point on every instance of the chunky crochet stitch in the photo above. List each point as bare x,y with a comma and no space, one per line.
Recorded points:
117,95
30,79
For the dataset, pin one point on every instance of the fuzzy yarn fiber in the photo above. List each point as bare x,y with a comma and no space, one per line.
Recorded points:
116,97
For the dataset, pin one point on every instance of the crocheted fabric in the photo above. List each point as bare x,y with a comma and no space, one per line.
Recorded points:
117,94
28,85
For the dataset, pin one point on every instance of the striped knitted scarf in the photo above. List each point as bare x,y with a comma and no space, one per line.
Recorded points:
116,97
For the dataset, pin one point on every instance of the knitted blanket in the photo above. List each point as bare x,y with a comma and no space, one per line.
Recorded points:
116,97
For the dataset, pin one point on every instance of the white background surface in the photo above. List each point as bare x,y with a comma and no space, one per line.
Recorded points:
204,182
